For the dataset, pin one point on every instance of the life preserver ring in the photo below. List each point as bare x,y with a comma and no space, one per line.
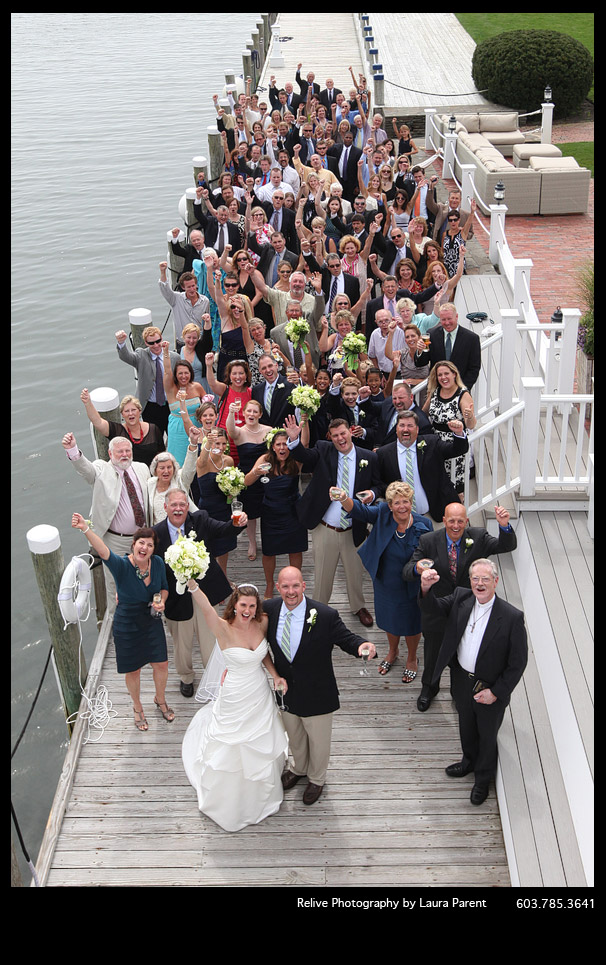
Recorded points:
74,591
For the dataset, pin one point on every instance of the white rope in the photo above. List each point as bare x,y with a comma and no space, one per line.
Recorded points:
99,712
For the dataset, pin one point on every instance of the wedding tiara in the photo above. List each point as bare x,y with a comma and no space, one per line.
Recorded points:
239,586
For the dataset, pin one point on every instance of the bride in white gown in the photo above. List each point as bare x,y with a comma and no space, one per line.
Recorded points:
235,747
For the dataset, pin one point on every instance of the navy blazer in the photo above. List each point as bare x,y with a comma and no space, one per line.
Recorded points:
215,584
312,687
281,406
384,526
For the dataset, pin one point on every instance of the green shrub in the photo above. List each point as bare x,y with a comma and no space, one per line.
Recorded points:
585,288
514,68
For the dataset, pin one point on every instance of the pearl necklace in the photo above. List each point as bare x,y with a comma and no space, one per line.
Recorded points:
408,525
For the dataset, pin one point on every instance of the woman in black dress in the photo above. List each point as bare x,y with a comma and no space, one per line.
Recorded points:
138,631
281,531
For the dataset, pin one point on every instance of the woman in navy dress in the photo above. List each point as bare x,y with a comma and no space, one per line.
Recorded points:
281,531
250,444
138,632
212,459
396,531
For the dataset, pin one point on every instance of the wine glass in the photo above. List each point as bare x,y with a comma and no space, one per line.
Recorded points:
364,654
156,599
265,467
425,564
280,691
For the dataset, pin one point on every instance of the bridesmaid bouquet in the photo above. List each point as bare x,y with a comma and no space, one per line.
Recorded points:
188,558
305,398
353,344
231,482
296,331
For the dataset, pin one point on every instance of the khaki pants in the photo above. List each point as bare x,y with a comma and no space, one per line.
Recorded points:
182,632
309,744
328,546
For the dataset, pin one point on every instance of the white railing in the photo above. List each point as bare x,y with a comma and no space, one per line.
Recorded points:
494,454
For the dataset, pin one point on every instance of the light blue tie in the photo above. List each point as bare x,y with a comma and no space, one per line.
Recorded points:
285,639
344,520
410,477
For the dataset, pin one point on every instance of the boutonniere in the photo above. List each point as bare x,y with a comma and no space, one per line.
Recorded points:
361,414
468,544
422,444
278,385
311,619
362,463
192,534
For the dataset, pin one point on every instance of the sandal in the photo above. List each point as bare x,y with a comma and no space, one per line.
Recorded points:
408,676
384,667
252,555
141,723
168,714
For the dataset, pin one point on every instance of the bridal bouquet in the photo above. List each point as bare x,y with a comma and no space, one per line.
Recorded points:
231,482
188,558
353,344
306,399
296,332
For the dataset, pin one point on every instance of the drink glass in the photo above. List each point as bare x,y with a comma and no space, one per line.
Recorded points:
335,493
236,510
265,466
157,599
365,653
425,564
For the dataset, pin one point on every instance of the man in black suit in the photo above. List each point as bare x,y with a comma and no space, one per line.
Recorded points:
328,96
302,633
218,231
348,399
282,219
305,84
328,161
486,647
389,298
450,341
334,280
271,255
181,616
337,463
451,550
347,157
400,400
283,99
273,393
189,251
420,462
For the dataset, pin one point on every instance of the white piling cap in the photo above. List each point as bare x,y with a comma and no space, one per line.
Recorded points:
140,316
199,161
105,398
43,539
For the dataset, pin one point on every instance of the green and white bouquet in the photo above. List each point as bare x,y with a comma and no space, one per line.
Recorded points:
188,558
231,482
306,398
353,344
296,332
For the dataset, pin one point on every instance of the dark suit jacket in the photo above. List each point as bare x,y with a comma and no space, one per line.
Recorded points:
210,226
384,411
337,409
430,458
303,85
266,255
215,584
375,304
281,405
503,653
352,285
187,252
288,225
324,98
434,546
466,353
322,462
312,687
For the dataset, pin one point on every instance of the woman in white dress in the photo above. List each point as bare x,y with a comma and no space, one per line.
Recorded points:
235,747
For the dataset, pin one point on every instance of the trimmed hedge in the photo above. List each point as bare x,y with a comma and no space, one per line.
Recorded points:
514,67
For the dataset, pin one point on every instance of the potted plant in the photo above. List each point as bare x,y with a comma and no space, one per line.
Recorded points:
585,340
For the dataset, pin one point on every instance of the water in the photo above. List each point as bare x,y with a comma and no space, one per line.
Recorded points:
108,109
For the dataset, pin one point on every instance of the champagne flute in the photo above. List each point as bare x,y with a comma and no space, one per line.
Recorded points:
265,467
157,598
280,691
365,654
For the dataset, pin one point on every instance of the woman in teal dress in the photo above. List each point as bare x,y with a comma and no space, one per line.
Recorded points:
138,632
396,531
179,384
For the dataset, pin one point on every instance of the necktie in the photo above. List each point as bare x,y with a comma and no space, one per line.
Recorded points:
270,392
344,520
452,561
160,396
392,421
285,638
410,478
275,220
134,500
220,243
448,347
391,305
344,158
333,292
274,270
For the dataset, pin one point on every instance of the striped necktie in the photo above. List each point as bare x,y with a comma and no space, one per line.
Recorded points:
344,519
452,561
285,638
410,478
270,393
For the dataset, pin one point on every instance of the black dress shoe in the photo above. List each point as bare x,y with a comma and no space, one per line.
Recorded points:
289,780
458,770
186,689
312,793
424,699
479,793
365,618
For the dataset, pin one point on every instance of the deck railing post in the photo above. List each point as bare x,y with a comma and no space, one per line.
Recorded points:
529,444
568,350
521,267
497,231
429,130
509,323
546,122
47,557
467,184
450,141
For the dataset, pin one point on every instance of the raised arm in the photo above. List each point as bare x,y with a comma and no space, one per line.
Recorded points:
78,522
100,424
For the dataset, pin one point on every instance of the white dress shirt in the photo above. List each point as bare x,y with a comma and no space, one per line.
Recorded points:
332,516
467,651
421,502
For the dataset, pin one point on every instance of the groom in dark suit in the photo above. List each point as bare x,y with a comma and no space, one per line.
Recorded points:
181,616
486,647
453,549
302,633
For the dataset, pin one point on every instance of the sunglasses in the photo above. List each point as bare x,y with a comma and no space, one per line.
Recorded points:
155,342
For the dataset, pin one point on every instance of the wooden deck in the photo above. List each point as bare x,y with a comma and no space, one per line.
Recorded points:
389,815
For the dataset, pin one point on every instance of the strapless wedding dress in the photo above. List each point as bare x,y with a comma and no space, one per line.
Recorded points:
235,747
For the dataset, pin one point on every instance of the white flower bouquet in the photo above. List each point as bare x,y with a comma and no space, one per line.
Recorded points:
305,398
231,482
295,331
353,344
188,558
